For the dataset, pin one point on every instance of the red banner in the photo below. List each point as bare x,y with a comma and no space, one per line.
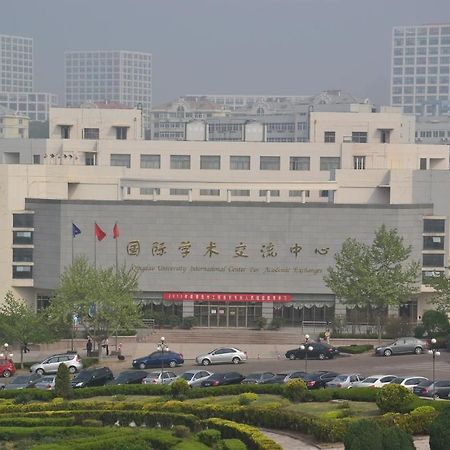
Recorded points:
230,298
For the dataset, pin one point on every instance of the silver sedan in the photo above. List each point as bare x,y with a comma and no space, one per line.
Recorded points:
195,377
222,355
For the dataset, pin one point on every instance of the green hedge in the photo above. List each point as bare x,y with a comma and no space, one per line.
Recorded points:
36,422
355,348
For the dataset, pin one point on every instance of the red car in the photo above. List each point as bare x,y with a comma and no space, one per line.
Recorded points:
6,367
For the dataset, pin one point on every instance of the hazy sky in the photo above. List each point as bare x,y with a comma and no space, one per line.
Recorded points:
227,46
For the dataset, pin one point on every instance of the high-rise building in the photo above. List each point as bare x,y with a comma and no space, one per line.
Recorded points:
118,76
421,69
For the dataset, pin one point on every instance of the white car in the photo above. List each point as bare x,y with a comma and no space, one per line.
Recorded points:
375,381
51,364
408,382
159,378
222,355
195,377
345,381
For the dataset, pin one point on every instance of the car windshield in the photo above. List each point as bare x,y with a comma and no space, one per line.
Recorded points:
187,376
253,376
397,380
47,380
85,375
153,374
124,376
425,383
20,380
341,378
216,376
370,380
309,376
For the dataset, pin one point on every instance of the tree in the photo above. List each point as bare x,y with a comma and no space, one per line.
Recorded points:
374,276
101,298
63,387
441,296
435,322
19,324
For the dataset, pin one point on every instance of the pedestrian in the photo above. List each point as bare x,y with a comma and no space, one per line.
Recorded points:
89,347
106,346
327,335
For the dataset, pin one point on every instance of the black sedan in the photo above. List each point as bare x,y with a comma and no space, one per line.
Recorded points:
315,350
222,379
130,377
257,378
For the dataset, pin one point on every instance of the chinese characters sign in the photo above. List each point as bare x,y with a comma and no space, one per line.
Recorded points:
208,297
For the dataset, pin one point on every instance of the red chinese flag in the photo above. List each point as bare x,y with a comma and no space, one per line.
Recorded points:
99,233
116,231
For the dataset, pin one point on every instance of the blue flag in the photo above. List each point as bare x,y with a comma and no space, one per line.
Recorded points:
75,230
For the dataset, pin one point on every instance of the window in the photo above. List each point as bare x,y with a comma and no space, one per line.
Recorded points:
22,254
359,162
36,159
330,162
65,131
210,192
433,260
239,162
329,136
423,163
434,225
150,191
23,220
209,162
121,159
150,161
324,194
180,162
121,133
22,237
42,302
90,159
433,242
179,192
297,193
299,163
269,163
22,272
273,193
240,192
91,133
359,137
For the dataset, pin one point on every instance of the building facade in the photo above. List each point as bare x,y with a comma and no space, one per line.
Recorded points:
116,76
12,125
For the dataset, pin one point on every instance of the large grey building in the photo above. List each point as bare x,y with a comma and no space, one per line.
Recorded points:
420,69
118,76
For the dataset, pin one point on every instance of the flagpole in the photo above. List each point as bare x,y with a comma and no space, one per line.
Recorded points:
95,245
117,253
72,240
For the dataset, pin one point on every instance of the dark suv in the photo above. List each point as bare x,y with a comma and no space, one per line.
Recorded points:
94,376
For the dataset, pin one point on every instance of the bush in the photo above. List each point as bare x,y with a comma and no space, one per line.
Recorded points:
440,431
435,322
63,388
188,323
261,323
355,349
23,397
276,323
181,431
295,390
209,437
394,398
395,438
421,419
92,423
232,444
179,388
363,434
247,397
419,331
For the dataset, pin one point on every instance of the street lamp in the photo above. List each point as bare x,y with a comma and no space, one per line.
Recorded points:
307,348
433,351
162,347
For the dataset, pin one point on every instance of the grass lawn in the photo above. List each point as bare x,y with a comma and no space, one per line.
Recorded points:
319,408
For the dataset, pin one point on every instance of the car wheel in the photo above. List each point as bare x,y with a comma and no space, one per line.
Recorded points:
72,369
387,352
40,372
321,356
418,350
6,373
172,364
236,360
142,366
291,356
206,362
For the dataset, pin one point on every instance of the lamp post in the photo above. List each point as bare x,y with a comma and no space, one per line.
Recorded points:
434,352
162,347
307,349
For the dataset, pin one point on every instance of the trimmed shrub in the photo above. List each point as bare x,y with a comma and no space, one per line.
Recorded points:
440,431
209,437
394,398
181,431
363,434
63,388
355,349
91,423
232,444
421,418
247,397
179,388
23,397
295,390
395,438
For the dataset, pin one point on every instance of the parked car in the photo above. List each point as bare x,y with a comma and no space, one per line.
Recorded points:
47,383
195,377
94,376
345,381
222,355
159,378
409,382
221,379
438,389
159,359
257,377
23,381
284,377
129,377
315,380
51,364
375,381
7,367
401,346
319,350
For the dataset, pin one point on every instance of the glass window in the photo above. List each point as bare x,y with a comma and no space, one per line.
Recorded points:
423,163
22,272
22,237
122,160
180,161
91,133
433,242
359,136
298,193
121,133
90,159
269,163
23,220
36,159
22,254
239,162
433,260
359,162
210,192
324,194
299,163
177,191
330,162
150,161
434,225
329,136
273,193
150,191
240,192
210,162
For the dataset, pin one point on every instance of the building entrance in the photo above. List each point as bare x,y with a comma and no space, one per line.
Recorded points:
232,315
